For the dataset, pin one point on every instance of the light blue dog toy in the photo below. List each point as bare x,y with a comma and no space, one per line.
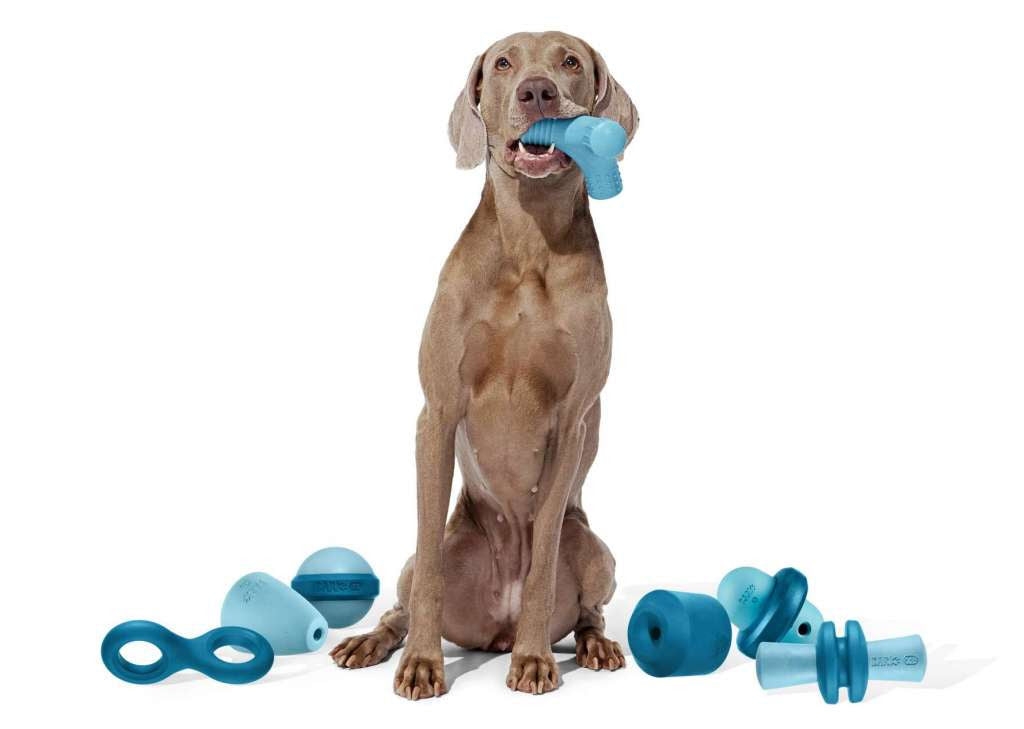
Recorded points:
679,633
768,609
177,653
277,612
834,662
592,143
339,583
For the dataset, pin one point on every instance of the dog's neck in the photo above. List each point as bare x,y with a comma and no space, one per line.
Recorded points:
538,217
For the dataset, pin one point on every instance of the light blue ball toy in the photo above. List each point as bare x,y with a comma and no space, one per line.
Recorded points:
339,583
593,143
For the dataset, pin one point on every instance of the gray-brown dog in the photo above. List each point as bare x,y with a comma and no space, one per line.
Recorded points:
514,355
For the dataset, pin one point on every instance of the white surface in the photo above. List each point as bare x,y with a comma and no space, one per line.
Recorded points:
221,225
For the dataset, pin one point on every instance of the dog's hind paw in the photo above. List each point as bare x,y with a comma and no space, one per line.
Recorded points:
595,652
361,651
533,674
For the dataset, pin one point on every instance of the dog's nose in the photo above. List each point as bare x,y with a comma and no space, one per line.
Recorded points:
538,96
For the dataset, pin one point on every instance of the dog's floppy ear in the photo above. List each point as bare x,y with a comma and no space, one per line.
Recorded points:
612,101
466,129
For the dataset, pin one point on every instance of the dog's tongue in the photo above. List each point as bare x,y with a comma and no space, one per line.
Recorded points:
535,160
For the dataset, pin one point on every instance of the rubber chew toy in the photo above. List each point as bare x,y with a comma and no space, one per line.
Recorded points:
178,653
768,609
339,583
679,633
834,662
592,143
274,610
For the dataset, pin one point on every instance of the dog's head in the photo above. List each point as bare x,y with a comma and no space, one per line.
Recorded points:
523,78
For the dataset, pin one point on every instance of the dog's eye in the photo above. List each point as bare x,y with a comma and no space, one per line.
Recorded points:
502,64
571,62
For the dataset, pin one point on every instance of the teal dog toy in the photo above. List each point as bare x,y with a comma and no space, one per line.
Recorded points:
277,612
679,633
768,609
835,663
339,583
592,143
177,653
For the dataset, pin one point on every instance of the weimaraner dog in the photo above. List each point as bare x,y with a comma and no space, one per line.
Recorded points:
515,352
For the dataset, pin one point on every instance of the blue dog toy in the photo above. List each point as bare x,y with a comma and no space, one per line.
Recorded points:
592,143
679,633
339,583
268,606
768,609
177,653
834,662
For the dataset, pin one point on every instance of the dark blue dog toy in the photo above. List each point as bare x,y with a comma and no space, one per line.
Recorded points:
178,653
679,633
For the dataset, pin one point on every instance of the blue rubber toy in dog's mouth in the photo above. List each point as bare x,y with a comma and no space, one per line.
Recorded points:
591,142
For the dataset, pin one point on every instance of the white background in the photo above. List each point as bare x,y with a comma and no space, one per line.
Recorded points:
221,226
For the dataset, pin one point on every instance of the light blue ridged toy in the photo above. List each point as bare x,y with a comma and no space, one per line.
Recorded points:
266,605
848,662
679,633
768,609
593,143
339,583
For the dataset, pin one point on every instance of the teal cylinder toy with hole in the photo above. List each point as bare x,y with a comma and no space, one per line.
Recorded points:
266,605
679,633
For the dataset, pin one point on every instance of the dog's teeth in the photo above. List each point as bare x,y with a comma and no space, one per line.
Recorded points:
522,149
551,149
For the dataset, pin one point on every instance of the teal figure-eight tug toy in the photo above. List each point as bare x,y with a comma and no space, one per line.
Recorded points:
592,143
177,653
834,662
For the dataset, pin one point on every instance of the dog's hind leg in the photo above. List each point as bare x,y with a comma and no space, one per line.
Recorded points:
594,569
369,649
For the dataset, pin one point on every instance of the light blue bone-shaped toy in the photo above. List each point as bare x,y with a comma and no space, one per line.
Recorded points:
835,662
592,143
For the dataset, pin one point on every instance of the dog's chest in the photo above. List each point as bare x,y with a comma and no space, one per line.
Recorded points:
519,363
517,344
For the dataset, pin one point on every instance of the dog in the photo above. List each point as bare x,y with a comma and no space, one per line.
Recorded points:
515,352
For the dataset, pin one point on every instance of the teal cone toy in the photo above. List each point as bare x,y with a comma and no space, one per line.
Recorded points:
277,612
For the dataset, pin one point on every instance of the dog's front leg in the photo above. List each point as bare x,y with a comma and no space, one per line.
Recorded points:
533,668
421,670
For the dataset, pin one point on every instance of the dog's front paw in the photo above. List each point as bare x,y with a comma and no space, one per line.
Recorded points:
420,674
533,672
